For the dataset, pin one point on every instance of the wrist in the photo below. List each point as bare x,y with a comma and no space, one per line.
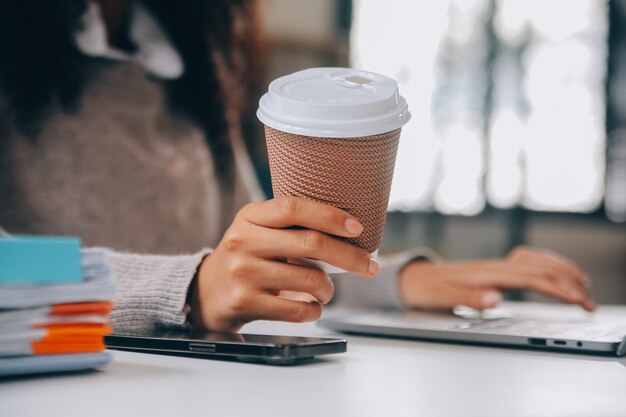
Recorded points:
194,303
407,275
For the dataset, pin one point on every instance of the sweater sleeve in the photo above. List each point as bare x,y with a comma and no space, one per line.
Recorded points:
152,290
381,292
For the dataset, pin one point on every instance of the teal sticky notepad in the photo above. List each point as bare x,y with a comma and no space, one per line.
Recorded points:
39,260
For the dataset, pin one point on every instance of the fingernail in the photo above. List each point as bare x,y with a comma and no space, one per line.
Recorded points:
373,267
353,227
491,298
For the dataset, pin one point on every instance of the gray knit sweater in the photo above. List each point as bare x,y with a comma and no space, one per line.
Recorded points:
125,173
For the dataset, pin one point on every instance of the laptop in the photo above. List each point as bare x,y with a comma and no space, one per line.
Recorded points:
542,326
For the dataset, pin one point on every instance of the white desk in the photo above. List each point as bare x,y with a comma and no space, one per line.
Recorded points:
377,377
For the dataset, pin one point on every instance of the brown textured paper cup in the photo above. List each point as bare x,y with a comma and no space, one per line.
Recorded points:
353,174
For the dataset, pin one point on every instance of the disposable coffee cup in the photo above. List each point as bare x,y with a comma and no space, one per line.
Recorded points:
332,136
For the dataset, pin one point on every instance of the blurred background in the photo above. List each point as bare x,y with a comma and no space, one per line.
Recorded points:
518,133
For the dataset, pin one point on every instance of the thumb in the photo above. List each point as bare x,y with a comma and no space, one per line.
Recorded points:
479,299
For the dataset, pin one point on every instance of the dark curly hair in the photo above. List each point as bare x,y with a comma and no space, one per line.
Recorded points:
217,40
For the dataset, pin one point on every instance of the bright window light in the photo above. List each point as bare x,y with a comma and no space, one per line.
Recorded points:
507,114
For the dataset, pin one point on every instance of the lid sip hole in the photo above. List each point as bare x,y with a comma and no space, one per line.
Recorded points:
358,80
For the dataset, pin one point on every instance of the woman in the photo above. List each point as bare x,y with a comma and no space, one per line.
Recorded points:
119,123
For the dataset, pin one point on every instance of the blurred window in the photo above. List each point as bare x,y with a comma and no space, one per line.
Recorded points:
508,101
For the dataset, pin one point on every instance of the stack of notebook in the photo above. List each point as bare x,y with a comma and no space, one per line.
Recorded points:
55,299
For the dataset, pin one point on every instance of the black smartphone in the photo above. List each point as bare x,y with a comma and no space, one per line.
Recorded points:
273,350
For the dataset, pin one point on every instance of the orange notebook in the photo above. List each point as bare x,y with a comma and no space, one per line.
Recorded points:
63,328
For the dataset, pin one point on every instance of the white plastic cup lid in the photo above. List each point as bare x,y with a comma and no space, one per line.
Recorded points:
333,103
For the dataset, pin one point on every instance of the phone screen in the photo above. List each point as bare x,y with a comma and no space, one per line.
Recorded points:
217,337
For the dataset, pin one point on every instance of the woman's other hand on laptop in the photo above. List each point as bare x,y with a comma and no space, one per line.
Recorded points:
478,284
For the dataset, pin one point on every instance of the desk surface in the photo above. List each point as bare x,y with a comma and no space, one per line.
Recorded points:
377,377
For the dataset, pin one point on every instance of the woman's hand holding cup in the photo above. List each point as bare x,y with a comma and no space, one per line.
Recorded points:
242,279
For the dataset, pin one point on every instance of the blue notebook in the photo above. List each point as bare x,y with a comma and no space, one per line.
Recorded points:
39,260
27,365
